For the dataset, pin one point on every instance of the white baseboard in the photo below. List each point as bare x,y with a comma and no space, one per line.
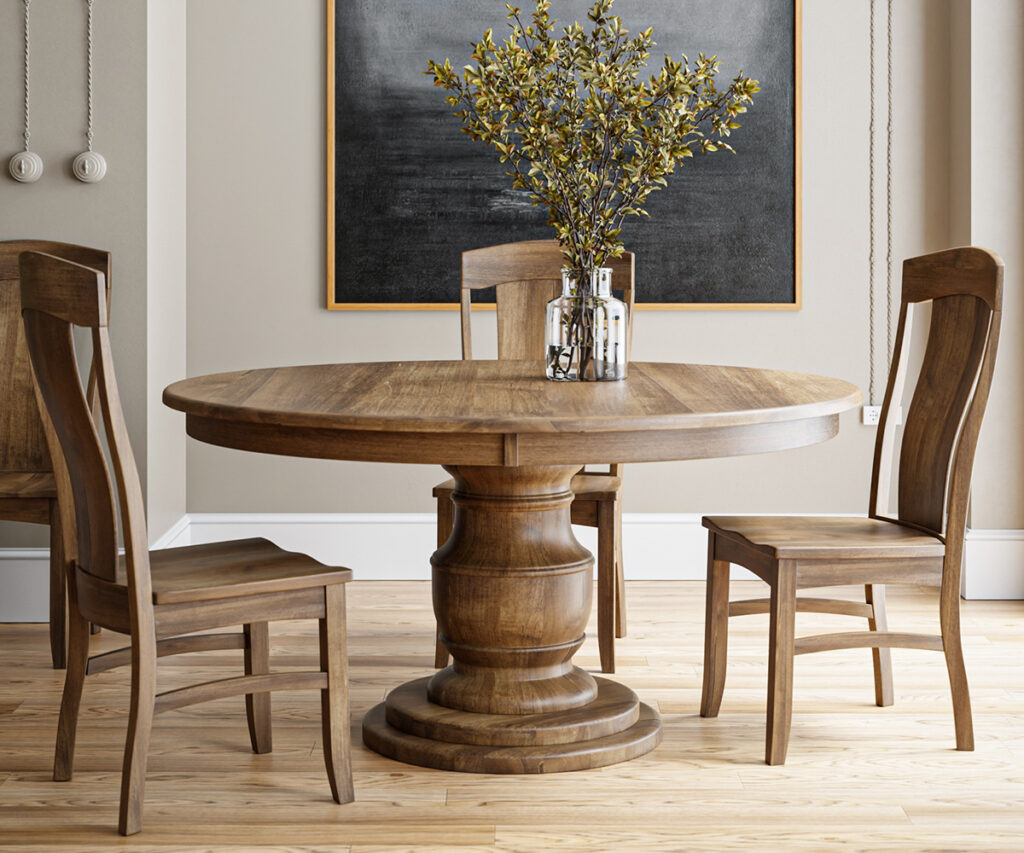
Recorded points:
24,584
664,549
397,546
993,564
176,535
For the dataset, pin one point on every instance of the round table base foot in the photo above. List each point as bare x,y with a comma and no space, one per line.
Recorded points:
583,753
409,709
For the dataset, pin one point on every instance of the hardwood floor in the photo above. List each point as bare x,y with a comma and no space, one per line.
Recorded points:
857,777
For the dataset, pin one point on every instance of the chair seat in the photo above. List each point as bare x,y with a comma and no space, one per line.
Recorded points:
27,485
233,569
811,537
585,487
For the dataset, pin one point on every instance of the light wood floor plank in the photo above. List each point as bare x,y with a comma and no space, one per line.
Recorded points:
857,777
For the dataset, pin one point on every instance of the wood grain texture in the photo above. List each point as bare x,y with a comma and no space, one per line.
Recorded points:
250,582
449,448
586,754
240,567
791,537
256,661
596,503
499,397
615,709
858,777
524,276
27,487
881,658
512,587
511,610
922,545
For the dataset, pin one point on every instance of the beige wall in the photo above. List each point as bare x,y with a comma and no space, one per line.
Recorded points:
994,41
167,250
109,215
136,212
255,222
256,258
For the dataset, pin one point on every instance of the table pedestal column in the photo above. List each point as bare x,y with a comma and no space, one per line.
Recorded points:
512,595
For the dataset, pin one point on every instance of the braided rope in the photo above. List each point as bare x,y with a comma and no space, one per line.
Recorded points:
88,133
28,114
888,199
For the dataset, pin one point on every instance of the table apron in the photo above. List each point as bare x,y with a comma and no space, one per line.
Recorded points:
522,449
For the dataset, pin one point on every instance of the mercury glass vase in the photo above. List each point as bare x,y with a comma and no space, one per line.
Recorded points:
586,331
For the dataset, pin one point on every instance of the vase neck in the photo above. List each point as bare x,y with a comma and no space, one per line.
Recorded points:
600,282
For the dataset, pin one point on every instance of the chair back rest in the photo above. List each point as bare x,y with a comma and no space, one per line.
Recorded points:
964,287
525,277
23,443
56,295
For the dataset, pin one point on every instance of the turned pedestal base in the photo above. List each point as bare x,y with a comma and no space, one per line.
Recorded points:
614,727
512,595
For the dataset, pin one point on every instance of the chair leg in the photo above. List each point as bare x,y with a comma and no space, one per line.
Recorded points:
140,725
716,632
334,699
620,576
780,662
74,679
257,705
606,584
445,522
874,594
58,591
949,620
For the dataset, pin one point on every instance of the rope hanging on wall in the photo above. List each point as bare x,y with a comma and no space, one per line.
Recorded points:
888,190
872,396
89,166
26,166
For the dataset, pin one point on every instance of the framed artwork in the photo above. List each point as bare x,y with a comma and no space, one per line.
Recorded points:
408,192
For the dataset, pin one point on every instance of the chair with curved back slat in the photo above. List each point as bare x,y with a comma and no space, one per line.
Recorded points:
157,598
27,489
525,276
922,545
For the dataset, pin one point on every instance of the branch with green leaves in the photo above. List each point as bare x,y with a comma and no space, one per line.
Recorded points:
581,131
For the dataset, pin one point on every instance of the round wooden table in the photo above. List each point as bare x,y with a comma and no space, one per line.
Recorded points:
512,587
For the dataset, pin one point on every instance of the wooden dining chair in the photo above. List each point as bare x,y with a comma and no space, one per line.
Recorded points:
27,489
525,277
158,597
922,545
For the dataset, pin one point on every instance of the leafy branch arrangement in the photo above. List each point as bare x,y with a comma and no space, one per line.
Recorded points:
581,132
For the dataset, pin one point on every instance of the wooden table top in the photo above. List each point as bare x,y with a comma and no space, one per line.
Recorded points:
460,412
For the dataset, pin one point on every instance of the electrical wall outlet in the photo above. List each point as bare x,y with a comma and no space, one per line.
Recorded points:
871,415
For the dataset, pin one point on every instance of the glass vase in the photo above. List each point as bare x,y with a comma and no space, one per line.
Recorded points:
586,331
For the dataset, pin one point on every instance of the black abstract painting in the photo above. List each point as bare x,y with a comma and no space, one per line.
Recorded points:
410,192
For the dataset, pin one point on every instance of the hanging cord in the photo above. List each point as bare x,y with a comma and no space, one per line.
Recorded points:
88,133
89,166
872,355
871,211
26,166
28,113
889,192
